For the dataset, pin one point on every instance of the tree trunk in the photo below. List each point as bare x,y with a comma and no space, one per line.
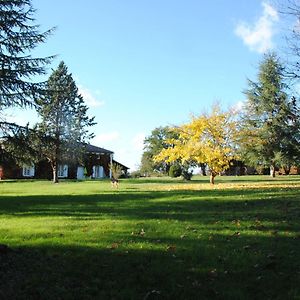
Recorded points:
54,169
212,178
287,170
203,169
272,171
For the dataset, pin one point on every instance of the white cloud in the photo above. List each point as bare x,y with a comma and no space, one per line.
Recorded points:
89,98
258,36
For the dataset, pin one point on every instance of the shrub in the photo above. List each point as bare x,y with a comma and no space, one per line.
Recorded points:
175,171
186,174
135,174
116,171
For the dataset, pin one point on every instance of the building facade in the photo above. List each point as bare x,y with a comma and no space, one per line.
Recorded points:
95,165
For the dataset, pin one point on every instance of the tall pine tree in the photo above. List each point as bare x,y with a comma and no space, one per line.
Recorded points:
63,129
269,118
18,37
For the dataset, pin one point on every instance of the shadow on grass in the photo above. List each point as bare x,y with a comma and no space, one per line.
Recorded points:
203,207
218,268
251,261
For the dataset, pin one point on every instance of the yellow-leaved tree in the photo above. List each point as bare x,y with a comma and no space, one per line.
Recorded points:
207,138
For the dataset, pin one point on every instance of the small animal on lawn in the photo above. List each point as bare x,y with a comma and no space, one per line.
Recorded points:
114,183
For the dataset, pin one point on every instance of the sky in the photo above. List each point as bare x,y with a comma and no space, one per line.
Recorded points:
141,64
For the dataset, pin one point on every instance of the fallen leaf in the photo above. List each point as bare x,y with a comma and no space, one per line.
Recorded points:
213,273
271,256
171,248
114,246
151,293
237,233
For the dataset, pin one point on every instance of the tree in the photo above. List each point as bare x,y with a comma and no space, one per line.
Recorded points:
208,138
154,143
63,129
269,126
290,138
290,10
18,147
18,37
116,171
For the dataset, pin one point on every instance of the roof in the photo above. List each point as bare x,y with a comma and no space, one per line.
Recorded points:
124,167
98,150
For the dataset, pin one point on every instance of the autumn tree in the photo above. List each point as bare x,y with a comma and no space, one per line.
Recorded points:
63,129
270,124
19,36
207,138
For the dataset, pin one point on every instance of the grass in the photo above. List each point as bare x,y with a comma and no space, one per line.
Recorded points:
155,238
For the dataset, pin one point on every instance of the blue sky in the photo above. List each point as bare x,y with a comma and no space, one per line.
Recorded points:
141,64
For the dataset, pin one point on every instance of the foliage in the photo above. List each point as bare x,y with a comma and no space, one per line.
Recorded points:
175,170
116,171
147,166
19,36
186,173
270,123
18,146
154,143
290,11
206,139
79,240
135,174
63,130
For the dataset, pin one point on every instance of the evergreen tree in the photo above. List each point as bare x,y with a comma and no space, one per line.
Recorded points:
267,134
290,11
18,37
290,152
63,129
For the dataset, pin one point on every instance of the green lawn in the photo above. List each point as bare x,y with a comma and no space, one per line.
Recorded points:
153,238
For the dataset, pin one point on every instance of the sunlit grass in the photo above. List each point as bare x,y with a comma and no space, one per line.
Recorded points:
238,239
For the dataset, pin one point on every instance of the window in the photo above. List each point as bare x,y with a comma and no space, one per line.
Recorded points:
98,172
62,171
28,171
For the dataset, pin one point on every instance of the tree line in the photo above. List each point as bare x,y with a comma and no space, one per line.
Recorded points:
62,130
265,133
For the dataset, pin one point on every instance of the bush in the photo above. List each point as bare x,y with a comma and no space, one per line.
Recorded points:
135,174
116,171
175,171
187,175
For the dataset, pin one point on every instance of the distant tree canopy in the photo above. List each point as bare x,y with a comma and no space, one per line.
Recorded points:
269,131
208,138
154,143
